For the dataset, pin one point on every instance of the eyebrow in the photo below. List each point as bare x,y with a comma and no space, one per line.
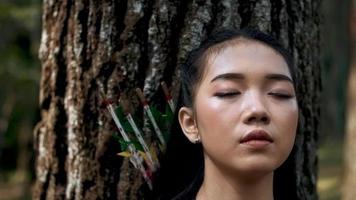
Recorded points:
239,76
227,76
279,77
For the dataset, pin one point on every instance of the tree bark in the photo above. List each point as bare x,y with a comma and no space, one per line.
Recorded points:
88,47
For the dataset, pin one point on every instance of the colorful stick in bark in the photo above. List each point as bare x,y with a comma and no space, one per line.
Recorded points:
168,96
150,116
135,157
151,162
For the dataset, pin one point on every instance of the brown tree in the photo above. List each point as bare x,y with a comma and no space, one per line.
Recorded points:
90,46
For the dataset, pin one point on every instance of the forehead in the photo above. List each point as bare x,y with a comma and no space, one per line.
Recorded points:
244,56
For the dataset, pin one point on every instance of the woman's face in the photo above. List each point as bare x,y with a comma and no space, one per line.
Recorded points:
246,110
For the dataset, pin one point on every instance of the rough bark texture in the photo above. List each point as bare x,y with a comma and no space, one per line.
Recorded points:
90,46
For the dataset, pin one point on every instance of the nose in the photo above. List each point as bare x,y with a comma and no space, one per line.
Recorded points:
255,111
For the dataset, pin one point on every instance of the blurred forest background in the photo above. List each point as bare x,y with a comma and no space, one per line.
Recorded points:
20,32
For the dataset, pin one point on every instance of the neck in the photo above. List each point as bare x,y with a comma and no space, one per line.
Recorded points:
219,184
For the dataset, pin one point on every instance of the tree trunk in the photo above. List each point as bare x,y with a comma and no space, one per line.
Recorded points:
349,181
349,184
336,61
5,115
88,47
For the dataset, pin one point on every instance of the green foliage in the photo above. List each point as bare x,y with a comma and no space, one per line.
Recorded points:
124,122
124,146
128,129
164,120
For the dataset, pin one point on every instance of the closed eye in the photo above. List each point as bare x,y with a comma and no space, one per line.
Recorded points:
281,95
226,94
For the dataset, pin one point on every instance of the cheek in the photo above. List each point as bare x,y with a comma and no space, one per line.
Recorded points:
286,121
208,115
288,118
217,126
211,118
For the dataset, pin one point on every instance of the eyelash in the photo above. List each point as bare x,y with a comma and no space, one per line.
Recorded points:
227,94
233,94
280,95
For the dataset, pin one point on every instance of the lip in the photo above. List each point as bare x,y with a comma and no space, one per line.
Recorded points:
257,138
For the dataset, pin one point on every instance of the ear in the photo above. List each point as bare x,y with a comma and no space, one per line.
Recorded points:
188,124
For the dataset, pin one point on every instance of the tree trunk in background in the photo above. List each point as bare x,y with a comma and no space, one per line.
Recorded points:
336,62
349,184
88,47
5,114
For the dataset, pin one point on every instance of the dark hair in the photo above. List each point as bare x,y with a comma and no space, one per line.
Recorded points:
183,165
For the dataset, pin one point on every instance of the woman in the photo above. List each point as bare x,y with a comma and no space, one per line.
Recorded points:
238,106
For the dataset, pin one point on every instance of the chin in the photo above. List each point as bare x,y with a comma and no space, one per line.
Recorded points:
256,167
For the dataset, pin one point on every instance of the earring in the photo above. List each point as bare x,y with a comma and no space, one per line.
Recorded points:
197,140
